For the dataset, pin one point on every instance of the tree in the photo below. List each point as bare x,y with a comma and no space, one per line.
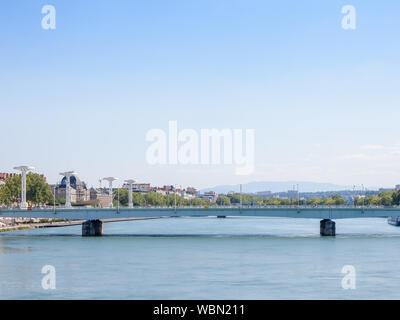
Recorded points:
223,201
328,201
373,200
155,199
396,197
338,200
199,202
386,199
137,199
38,190
123,197
315,201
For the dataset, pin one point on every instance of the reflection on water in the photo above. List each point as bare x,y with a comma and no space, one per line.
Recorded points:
200,258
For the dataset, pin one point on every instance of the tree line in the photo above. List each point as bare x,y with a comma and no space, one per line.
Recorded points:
39,192
386,198
155,199
158,199
234,198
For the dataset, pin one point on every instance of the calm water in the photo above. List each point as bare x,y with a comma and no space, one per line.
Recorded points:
204,258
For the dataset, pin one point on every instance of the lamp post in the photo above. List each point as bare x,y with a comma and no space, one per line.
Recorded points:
68,175
24,170
118,198
54,197
130,182
241,199
110,189
175,197
362,190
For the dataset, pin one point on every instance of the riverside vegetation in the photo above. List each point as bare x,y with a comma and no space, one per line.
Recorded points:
38,192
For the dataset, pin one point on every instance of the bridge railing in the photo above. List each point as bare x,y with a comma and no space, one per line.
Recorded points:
211,207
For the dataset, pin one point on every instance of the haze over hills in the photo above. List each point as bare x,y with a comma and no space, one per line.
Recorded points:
279,186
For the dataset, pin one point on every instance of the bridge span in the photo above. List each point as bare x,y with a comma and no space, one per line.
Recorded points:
93,216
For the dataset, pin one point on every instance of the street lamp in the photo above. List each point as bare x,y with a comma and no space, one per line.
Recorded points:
24,170
130,182
68,175
110,181
175,197
362,190
54,196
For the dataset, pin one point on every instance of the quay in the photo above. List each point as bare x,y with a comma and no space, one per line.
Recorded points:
66,223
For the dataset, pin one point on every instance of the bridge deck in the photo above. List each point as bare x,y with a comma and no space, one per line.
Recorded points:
289,212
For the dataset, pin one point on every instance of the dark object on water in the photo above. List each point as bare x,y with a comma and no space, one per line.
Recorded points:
394,221
92,228
327,228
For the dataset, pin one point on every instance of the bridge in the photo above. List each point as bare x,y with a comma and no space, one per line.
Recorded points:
94,226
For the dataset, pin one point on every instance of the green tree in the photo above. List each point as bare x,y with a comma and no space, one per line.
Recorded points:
155,199
386,199
199,202
315,201
396,197
223,201
284,202
123,197
138,199
338,200
38,190
328,201
373,200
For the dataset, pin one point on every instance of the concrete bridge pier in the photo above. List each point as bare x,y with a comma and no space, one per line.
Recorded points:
92,228
327,228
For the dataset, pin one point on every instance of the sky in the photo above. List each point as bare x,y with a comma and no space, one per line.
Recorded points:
323,101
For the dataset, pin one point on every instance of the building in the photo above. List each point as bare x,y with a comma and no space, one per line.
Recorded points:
384,189
292,194
100,197
212,196
186,195
192,191
79,191
6,176
159,190
263,194
81,195
139,187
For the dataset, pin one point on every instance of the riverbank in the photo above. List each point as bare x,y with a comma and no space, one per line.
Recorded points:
65,223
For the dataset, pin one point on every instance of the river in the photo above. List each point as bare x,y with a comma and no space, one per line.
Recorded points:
204,258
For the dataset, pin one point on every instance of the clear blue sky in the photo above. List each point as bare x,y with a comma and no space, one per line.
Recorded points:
323,101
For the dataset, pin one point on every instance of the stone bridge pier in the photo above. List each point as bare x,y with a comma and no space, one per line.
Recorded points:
327,227
92,228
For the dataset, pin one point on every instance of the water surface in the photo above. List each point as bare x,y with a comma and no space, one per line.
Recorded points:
204,258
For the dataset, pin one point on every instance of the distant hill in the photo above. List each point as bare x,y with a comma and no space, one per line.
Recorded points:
278,186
